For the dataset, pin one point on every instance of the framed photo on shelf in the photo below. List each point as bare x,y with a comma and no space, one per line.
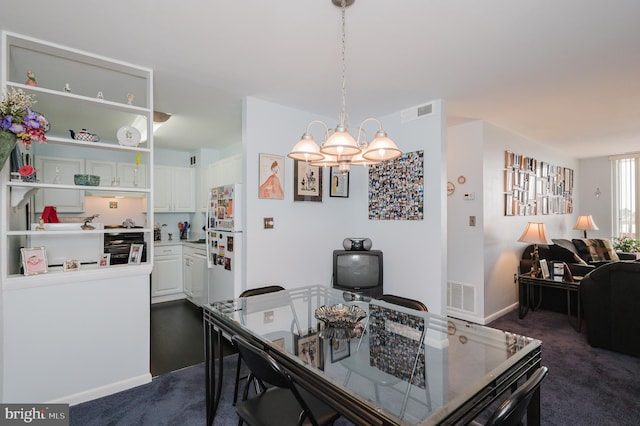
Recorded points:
307,182
34,260
71,265
105,260
135,253
340,349
339,183
309,349
271,177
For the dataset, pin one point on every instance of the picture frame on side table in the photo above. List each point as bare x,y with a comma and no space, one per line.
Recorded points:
309,349
307,182
135,253
34,260
339,183
544,267
340,349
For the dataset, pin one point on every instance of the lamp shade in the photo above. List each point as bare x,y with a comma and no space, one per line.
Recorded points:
535,233
340,143
381,148
306,149
586,223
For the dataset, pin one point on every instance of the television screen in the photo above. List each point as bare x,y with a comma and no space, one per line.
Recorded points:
357,269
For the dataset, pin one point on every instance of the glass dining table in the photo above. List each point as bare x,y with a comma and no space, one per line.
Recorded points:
394,366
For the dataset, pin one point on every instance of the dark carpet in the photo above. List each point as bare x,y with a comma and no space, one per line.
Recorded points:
585,386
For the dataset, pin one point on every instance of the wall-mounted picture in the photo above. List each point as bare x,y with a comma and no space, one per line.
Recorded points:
34,260
105,260
271,177
339,183
307,182
340,349
309,349
71,265
135,253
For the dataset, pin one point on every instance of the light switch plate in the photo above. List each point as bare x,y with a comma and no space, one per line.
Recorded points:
268,223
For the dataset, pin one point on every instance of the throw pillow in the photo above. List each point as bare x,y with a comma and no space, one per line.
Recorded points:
595,250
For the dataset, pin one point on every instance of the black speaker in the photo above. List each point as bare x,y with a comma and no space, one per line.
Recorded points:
357,244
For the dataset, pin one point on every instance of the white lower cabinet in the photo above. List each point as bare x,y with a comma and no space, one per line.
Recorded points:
196,274
167,276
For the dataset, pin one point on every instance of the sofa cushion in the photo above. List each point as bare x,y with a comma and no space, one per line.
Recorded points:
595,250
565,251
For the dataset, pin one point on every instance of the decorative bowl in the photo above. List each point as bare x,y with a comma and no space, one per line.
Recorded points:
86,180
84,136
340,315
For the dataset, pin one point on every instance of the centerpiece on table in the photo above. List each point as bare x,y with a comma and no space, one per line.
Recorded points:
18,121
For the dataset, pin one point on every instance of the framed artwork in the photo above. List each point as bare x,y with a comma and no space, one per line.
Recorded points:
340,349
135,253
105,260
71,265
307,182
309,349
271,176
339,183
34,260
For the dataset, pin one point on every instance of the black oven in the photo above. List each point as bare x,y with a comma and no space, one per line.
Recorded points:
118,245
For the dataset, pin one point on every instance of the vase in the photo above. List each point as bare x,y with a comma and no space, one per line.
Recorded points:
7,143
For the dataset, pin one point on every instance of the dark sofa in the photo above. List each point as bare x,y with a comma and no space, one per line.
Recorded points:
610,297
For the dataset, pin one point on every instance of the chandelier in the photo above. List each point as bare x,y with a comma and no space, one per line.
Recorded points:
339,148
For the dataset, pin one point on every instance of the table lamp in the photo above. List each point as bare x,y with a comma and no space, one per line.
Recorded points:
535,233
585,223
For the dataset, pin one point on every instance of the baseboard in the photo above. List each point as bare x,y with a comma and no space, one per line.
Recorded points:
482,320
102,391
168,298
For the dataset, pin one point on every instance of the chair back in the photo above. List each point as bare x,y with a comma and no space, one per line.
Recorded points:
261,290
263,367
403,301
512,411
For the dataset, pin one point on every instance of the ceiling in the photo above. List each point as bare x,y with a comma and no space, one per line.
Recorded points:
563,73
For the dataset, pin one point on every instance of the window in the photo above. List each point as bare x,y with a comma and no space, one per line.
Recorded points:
626,197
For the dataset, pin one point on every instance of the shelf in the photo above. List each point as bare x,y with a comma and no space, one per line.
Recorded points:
79,187
80,232
96,145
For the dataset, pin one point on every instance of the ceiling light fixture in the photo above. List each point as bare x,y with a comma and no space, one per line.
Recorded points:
339,148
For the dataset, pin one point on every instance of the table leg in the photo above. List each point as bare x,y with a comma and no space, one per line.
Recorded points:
523,299
533,411
213,382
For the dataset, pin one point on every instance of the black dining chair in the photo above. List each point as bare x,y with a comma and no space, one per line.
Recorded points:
248,293
403,301
282,402
512,410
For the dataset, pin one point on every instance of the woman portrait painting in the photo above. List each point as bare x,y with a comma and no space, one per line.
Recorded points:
271,186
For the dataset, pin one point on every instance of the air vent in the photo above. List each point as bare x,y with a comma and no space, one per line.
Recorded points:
461,296
414,113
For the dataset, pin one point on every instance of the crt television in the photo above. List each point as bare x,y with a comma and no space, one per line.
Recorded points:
358,271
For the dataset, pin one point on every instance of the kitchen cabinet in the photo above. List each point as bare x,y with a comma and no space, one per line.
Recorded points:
166,277
59,171
175,189
128,175
196,274
222,172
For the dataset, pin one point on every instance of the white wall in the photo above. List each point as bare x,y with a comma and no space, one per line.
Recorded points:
597,174
298,250
500,251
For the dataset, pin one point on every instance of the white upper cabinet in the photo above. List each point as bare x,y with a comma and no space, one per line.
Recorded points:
174,189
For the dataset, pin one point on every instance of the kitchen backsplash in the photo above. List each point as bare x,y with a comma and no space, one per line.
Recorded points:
114,211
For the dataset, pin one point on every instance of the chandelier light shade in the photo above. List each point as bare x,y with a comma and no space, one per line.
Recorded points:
339,148
585,223
535,233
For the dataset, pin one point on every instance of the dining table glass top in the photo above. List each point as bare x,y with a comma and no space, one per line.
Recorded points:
414,367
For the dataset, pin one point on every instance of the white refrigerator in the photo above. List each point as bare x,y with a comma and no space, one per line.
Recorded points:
224,241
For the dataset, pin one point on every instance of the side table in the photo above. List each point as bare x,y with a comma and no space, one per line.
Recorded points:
525,295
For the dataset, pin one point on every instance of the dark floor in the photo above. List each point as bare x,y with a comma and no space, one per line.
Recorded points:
177,337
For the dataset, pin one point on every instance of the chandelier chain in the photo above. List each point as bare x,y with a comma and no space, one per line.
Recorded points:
344,65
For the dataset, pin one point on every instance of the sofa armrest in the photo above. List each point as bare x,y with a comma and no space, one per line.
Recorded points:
580,270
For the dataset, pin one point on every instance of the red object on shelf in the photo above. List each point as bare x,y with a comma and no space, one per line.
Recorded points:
50,215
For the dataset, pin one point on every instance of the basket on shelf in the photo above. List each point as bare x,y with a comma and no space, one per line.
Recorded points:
86,180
